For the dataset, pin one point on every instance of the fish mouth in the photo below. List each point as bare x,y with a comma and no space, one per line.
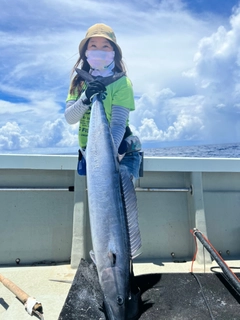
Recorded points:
114,286
115,311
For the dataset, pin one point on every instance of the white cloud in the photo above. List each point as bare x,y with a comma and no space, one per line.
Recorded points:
52,134
217,61
212,115
169,118
216,74
12,137
57,134
158,43
40,124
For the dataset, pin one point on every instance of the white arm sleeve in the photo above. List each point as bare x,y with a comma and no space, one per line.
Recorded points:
75,110
118,123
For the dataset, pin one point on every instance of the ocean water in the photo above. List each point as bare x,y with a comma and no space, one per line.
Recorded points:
228,150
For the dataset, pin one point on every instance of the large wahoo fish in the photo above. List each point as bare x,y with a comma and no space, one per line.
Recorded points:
113,215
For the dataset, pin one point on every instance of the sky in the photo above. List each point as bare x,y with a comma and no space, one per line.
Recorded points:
182,56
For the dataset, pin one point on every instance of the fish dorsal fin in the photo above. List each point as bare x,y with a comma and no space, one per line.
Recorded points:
130,206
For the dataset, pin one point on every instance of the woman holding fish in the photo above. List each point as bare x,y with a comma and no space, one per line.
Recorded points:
100,99
101,56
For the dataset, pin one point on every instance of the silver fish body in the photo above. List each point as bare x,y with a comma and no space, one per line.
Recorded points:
109,227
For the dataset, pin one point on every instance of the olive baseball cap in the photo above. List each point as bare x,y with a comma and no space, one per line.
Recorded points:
100,30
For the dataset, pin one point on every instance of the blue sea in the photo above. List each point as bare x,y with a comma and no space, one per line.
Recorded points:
228,150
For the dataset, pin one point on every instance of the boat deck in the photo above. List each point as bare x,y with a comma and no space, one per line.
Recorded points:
169,291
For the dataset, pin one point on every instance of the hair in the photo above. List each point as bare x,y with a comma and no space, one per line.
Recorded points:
77,82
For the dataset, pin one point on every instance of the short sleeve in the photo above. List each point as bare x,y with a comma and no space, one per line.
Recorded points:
123,94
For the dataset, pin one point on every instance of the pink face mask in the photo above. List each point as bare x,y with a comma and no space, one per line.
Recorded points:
98,59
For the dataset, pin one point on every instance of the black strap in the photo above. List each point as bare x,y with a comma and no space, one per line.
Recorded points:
105,80
79,155
127,133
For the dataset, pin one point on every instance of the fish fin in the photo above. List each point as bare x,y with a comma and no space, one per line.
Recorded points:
136,254
130,206
92,256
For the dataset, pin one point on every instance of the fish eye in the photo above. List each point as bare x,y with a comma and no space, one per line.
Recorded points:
120,300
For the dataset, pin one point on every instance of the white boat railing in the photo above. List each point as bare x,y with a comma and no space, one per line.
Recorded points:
44,209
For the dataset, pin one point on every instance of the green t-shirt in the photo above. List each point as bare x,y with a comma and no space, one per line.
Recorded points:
119,93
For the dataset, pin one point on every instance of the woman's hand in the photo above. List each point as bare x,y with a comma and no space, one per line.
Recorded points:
94,87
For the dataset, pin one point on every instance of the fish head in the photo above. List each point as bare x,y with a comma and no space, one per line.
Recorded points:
114,283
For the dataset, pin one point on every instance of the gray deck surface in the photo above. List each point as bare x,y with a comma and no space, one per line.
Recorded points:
169,291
